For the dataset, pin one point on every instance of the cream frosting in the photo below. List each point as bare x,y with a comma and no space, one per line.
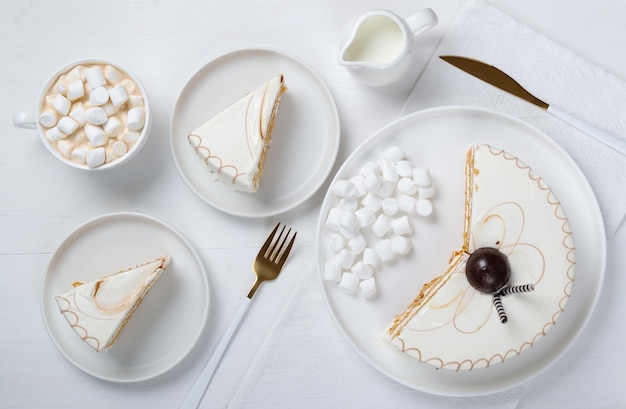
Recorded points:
233,144
511,208
99,310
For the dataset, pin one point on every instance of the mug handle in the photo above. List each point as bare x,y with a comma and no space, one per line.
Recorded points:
422,21
24,120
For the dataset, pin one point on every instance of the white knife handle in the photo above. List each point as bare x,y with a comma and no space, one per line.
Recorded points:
193,398
608,139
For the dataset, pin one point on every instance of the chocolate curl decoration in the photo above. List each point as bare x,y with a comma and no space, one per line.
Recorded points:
499,308
516,289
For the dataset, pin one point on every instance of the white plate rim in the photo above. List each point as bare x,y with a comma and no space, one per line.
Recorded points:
332,137
83,228
479,388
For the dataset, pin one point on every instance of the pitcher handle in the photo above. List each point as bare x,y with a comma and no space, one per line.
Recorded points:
24,120
422,21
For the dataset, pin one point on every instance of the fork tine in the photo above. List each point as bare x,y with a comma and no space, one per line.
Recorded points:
275,252
283,258
268,241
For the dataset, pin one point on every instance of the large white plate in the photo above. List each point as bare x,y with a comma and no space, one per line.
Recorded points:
305,139
168,322
438,139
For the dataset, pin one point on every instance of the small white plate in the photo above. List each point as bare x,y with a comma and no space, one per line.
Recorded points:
438,139
305,139
168,322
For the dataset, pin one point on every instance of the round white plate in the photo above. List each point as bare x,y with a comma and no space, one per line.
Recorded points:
438,139
171,317
305,139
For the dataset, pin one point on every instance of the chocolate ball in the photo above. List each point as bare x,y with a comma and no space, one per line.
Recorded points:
488,270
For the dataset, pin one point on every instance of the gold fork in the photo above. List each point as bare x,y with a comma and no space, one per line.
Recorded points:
267,266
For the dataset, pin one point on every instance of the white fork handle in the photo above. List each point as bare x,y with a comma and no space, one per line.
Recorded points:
608,139
193,398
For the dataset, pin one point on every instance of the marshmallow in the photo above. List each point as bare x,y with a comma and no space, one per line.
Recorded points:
96,116
401,245
119,148
402,226
61,104
421,176
365,216
111,74
344,188
344,258
75,90
96,135
426,192
95,77
67,125
349,203
381,226
394,154
61,85
368,168
371,257
130,86
65,147
349,282
362,270
336,242
372,181
357,244
48,118
389,173
404,168
113,127
333,220
118,95
348,223
359,184
332,272
385,251
130,136
372,202
135,101
79,155
99,96
110,109
54,134
76,73
407,204
95,157
385,189
424,207
407,186
368,287
135,119
390,206
78,113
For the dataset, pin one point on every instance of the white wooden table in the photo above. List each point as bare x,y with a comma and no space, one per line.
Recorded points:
164,42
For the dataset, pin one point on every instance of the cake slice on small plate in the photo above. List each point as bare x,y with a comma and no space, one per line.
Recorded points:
234,143
100,309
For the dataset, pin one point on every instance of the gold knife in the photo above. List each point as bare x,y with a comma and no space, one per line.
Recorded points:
499,79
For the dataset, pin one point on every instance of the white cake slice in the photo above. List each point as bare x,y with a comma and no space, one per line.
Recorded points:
234,143
99,310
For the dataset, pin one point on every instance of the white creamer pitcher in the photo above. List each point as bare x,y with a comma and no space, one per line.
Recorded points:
379,50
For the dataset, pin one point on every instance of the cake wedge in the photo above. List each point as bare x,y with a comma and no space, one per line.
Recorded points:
233,144
99,310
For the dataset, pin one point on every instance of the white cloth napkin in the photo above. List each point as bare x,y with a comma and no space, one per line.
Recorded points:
305,362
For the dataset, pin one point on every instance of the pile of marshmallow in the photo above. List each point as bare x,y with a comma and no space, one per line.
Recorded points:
373,219
93,114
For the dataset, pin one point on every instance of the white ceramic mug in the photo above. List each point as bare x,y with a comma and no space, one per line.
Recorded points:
30,120
380,46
